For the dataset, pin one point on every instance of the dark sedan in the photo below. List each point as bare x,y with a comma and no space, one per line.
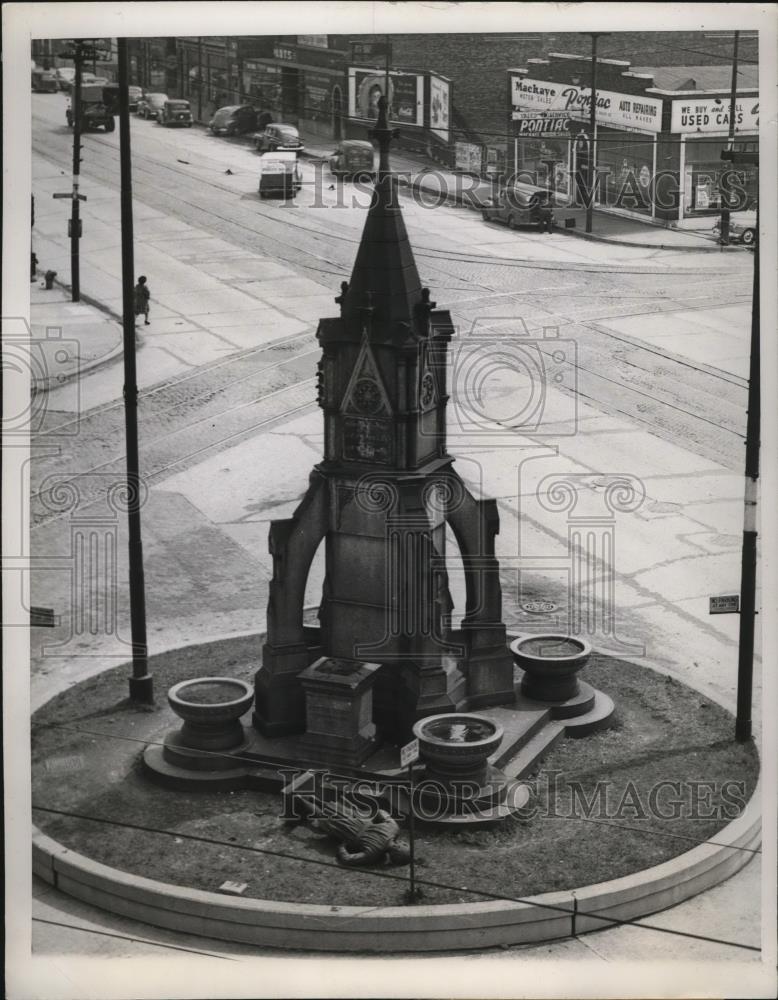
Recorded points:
235,119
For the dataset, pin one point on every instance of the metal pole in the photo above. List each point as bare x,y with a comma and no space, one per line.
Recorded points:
200,79
724,239
387,65
411,835
592,126
745,667
141,682
75,215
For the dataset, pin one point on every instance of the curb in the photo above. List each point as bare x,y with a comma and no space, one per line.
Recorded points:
43,385
396,929
441,927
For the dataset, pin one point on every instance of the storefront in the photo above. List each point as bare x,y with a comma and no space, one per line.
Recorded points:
700,125
550,123
299,79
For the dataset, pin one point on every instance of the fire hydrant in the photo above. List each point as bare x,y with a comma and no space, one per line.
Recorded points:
50,276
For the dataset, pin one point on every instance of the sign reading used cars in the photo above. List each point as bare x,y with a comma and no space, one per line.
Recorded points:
711,114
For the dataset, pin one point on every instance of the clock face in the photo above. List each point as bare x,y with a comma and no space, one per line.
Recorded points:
366,396
427,389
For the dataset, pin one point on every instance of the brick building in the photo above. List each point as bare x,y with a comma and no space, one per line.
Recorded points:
476,64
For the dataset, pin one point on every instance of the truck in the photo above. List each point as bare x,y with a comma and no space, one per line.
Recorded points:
97,108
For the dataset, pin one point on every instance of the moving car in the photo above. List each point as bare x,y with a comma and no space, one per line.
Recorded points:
65,77
353,158
279,174
176,113
278,136
235,119
44,81
95,111
520,205
150,105
742,228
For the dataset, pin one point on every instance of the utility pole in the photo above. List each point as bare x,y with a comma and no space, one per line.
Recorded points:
141,681
745,667
387,65
75,215
724,238
78,54
592,127
200,79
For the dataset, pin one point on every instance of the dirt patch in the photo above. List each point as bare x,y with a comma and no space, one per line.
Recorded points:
668,775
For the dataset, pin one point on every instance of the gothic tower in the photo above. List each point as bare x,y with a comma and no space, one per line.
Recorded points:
380,501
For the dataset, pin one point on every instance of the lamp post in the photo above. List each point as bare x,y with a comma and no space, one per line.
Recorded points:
592,126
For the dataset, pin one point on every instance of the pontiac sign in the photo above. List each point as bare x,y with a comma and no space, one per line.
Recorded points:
629,111
550,123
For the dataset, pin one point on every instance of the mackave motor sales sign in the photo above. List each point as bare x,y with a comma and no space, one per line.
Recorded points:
630,111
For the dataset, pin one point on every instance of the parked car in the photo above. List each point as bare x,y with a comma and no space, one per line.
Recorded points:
44,81
742,228
277,137
65,77
353,158
520,205
135,94
235,119
176,113
279,173
150,105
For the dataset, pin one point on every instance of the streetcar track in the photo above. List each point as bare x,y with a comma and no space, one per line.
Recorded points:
153,476
198,373
454,256
217,223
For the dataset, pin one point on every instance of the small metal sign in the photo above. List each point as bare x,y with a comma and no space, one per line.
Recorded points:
726,605
538,607
42,617
409,754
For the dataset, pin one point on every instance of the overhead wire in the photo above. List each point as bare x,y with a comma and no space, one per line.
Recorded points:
428,883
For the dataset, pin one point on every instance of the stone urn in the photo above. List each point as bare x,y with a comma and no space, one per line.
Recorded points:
211,708
551,664
455,748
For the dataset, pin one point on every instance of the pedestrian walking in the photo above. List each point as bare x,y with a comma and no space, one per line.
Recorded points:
142,296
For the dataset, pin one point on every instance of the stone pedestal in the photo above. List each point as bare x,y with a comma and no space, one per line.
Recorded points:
339,725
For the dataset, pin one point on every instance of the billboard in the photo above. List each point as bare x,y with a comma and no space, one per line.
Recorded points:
439,107
711,114
629,111
406,95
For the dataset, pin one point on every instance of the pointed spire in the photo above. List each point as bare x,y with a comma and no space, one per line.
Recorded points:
384,267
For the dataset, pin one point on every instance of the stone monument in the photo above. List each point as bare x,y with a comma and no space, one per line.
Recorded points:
380,501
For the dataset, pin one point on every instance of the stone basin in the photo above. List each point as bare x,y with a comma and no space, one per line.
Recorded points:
456,747
551,664
211,708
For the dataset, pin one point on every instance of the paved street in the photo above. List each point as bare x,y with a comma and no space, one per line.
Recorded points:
651,350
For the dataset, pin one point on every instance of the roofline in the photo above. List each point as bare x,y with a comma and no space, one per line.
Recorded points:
588,58
717,92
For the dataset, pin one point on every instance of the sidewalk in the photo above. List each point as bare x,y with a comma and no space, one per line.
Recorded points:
72,338
430,178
